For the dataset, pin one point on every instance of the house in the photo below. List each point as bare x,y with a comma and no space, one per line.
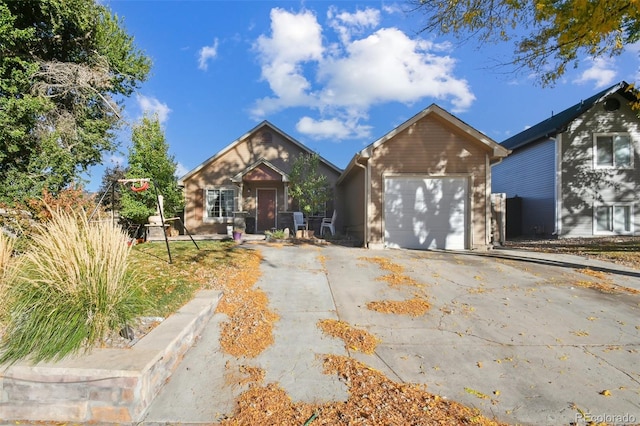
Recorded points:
248,179
424,185
576,173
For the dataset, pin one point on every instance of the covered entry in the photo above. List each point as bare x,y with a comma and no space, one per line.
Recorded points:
425,212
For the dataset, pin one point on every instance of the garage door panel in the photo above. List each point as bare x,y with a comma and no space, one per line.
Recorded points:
425,213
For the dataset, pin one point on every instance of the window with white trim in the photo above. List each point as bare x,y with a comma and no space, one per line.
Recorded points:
613,219
613,150
219,203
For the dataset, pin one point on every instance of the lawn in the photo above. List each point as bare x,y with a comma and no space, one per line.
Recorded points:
170,285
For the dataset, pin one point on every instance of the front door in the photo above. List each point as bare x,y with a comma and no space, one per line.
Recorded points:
266,208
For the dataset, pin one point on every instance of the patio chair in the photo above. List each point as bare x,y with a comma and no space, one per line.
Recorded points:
329,223
298,221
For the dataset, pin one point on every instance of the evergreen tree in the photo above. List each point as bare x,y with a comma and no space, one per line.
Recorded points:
149,158
63,66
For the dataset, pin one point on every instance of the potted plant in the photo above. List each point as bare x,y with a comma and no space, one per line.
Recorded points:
237,234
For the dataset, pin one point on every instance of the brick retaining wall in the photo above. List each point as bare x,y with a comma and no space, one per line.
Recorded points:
106,385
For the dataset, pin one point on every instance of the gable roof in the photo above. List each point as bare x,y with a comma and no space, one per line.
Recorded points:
256,165
558,122
243,138
497,150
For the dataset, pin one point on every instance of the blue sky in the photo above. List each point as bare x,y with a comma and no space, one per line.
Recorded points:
335,75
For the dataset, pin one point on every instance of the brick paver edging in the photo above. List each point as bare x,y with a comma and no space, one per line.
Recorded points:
106,385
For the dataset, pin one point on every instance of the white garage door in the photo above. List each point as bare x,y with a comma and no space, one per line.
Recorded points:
425,213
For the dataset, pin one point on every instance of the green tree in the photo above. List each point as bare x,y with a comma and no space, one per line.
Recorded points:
110,190
307,186
149,158
64,65
549,35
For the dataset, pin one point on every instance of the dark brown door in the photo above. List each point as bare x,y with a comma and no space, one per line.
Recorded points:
266,209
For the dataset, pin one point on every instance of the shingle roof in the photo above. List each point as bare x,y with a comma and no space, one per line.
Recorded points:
556,123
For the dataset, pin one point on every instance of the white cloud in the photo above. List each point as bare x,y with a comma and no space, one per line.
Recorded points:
601,72
388,66
206,53
295,39
349,24
342,80
333,128
152,106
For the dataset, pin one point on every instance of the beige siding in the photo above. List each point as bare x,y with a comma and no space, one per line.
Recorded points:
277,150
351,201
431,146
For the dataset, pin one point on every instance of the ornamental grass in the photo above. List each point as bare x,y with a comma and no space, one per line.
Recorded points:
7,269
72,287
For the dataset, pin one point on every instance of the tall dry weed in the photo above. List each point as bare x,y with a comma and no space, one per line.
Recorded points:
72,288
7,269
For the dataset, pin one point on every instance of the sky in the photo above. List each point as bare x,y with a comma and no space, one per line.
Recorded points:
334,75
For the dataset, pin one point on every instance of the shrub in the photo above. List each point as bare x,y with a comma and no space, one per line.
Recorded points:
278,234
72,288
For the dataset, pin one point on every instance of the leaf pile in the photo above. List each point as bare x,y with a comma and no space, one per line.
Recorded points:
373,399
249,330
354,339
414,307
396,276
605,285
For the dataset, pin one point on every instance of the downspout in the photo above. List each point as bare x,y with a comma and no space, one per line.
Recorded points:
366,200
558,185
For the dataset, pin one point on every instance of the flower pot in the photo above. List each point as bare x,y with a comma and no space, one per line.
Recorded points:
237,236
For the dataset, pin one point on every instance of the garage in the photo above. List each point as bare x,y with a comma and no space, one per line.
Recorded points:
424,212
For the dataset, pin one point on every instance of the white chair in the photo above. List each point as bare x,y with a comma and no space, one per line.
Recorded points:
298,221
329,223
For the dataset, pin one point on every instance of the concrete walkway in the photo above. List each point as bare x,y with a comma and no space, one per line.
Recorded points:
516,334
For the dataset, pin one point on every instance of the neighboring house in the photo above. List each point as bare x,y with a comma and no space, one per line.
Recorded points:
575,174
248,178
424,185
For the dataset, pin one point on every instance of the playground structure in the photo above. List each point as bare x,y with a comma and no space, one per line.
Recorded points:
157,221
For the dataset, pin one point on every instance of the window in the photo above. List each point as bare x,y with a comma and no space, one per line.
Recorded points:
219,203
613,219
613,150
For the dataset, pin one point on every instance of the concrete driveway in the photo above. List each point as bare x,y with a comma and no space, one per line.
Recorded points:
515,334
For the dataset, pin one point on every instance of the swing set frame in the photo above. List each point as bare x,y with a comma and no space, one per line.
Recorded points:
143,185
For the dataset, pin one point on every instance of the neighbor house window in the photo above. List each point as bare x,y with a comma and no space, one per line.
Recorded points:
613,219
219,203
613,150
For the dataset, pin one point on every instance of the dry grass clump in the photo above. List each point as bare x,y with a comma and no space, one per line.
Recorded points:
414,307
249,330
7,270
354,339
373,399
72,288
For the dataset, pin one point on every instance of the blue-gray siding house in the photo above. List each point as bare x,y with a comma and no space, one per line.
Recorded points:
577,173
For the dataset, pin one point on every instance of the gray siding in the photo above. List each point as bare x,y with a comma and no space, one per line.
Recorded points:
583,185
530,173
